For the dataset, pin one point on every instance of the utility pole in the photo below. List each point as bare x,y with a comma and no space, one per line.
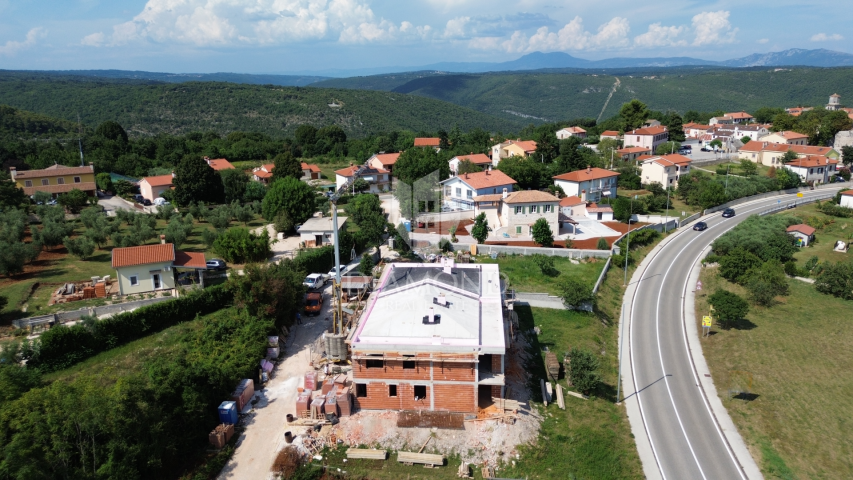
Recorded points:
666,220
619,359
727,180
628,242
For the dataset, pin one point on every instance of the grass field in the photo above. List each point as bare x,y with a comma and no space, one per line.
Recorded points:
799,355
679,208
525,276
840,229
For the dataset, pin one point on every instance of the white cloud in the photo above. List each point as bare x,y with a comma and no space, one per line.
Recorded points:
763,40
12,47
264,22
455,27
572,36
822,37
660,36
94,40
713,28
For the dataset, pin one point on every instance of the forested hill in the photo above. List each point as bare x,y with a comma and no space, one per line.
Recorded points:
23,124
554,96
148,108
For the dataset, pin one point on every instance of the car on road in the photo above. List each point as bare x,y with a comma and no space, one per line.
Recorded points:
685,151
700,226
729,212
345,270
146,202
314,281
313,303
216,264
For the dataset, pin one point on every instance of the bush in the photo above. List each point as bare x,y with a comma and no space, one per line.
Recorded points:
445,245
602,244
545,264
80,247
728,307
583,370
766,282
575,293
791,269
315,260
239,245
542,233
735,266
836,279
639,238
366,265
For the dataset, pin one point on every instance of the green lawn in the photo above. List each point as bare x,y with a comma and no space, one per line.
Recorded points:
826,236
798,355
679,208
525,276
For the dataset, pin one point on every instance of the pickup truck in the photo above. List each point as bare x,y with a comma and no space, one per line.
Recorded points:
313,303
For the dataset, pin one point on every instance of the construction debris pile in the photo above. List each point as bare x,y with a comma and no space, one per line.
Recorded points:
72,292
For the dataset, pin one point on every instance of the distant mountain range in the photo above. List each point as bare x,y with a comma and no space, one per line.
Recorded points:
247,78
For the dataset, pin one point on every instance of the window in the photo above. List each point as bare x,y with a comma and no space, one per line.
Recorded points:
77,180
518,230
470,194
28,183
360,390
45,181
519,210
458,192
392,390
548,208
420,392
60,181
447,191
134,280
375,364
408,364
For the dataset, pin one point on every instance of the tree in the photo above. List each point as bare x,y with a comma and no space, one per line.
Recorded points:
124,188
80,247
607,149
542,233
735,265
480,230
74,200
786,179
15,254
52,233
178,230
766,282
290,195
675,127
10,194
748,167
239,245
196,181
728,307
745,140
529,174
113,131
209,236
575,293
633,114
104,182
360,185
272,291
602,244
234,182
286,165
766,114
255,192
366,265
717,143
100,228
467,166
366,212
712,194
417,163
583,370
667,148
219,217
836,279
283,223
847,155
545,264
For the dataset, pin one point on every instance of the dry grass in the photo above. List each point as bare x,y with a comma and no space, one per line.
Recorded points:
839,229
800,355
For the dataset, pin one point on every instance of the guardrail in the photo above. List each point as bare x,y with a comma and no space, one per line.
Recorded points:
776,193
795,204
689,219
552,252
67,316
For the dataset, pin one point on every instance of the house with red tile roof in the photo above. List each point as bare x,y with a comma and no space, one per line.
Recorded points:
813,168
786,137
55,179
569,132
219,164
803,233
384,161
664,169
632,153
478,159
847,199
589,184
611,134
425,142
648,137
310,171
770,154
512,215
379,179
151,187
459,191
151,268
263,173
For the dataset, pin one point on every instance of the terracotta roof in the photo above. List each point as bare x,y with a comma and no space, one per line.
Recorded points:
758,146
528,196
609,133
485,179
387,159
476,159
812,161
159,180
268,167
573,130
738,115
190,259
802,228
262,173
427,142
64,188
310,166
571,201
350,171
596,209
696,126
220,164
526,145
673,159
632,150
53,171
787,134
492,197
586,174
656,130
847,192
130,256
566,219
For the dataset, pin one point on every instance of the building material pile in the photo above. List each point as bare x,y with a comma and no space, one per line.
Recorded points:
221,434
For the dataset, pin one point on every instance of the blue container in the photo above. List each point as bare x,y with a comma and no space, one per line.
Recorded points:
408,225
228,412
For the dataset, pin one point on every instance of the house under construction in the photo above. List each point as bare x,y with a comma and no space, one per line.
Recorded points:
432,337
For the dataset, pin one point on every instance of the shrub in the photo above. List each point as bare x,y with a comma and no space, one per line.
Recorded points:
735,265
542,233
836,279
602,244
80,247
315,260
445,245
545,264
583,370
766,282
575,293
480,230
728,307
239,245
366,265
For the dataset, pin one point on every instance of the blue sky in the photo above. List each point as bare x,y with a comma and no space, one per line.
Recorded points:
280,36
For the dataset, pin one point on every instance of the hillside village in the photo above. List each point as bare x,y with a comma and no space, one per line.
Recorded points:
361,295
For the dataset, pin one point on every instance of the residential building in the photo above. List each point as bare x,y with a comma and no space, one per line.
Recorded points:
310,171
754,132
149,268
263,173
590,184
319,231
573,206
55,180
512,215
611,134
631,153
478,159
797,111
724,120
664,169
384,161
152,187
519,148
834,102
433,337
649,137
428,142
770,154
568,132
459,191
497,152
651,123
803,234
602,213
739,118
813,168
219,164
847,199
695,130
378,178
786,137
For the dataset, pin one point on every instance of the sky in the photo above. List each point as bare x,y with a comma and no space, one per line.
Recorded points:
289,36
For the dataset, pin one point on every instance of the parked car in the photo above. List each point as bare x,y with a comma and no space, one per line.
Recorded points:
314,281
160,201
146,202
685,151
346,270
138,198
216,264
700,226
729,212
313,303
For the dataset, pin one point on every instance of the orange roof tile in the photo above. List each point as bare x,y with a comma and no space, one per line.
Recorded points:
492,197
632,150
586,174
190,259
526,145
387,159
262,173
802,228
53,171
527,196
476,159
427,142
847,192
610,133
159,180
350,171
787,134
738,115
812,161
130,256
673,159
656,130
571,201
220,164
312,167
485,179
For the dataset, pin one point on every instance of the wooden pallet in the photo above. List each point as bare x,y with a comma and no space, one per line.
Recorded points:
428,459
366,454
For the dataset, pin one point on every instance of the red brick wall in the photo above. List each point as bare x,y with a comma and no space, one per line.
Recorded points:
453,371
377,398
496,364
496,391
456,398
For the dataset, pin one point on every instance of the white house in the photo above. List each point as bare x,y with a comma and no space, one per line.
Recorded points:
610,134
569,132
847,198
478,159
754,132
786,137
573,207
813,168
590,184
803,233
649,137
319,231
150,268
378,178
459,192
512,215
664,169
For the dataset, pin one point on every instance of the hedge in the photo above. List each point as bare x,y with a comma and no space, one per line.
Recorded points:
316,260
61,346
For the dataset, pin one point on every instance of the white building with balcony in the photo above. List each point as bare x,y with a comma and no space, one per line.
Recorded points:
664,169
459,191
589,185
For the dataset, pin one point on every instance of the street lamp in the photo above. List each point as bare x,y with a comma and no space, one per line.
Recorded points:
628,241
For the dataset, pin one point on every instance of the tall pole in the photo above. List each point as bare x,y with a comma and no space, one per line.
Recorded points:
727,180
336,288
619,359
628,242
666,221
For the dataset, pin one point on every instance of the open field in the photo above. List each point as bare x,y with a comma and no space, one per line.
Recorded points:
679,208
525,276
840,229
798,354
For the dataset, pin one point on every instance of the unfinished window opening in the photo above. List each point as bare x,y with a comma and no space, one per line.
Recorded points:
392,390
420,392
375,364
408,364
360,390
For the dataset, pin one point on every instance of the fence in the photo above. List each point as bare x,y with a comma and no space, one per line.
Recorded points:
62,317
689,219
552,252
830,186
601,276
445,217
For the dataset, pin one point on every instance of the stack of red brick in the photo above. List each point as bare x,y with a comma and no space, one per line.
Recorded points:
221,434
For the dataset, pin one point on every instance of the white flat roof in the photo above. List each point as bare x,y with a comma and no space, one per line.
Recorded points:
472,321
320,224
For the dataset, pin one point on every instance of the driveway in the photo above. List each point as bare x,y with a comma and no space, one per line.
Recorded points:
391,207
284,247
111,203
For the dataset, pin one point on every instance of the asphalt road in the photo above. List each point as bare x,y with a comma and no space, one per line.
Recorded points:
673,398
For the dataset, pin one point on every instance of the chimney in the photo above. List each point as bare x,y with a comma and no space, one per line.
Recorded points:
162,239
505,194
589,169
488,170
207,159
431,315
442,300
466,175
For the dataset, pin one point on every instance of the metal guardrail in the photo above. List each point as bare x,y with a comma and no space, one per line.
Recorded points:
795,204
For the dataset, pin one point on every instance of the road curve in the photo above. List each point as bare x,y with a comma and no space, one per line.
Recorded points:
681,429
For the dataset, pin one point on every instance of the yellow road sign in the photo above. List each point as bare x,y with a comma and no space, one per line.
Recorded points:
706,321
800,194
